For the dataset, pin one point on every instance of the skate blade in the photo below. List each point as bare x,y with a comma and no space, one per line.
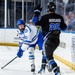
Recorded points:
41,73
33,73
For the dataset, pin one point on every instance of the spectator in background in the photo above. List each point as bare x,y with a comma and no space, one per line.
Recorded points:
71,25
71,1
60,7
70,5
61,1
67,20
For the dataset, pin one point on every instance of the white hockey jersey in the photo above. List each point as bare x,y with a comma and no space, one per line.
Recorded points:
29,36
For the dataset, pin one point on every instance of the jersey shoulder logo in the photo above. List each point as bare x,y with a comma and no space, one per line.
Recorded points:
26,30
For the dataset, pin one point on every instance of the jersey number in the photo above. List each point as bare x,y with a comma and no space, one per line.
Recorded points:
54,26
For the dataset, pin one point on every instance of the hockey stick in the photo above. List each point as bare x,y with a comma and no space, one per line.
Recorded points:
9,62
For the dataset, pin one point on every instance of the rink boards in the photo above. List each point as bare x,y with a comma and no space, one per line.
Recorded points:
64,53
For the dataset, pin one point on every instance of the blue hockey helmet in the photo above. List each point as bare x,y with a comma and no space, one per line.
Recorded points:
19,22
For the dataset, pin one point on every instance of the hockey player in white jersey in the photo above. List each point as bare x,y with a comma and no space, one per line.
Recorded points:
28,35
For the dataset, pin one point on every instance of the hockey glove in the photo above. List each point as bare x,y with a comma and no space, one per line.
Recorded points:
20,53
37,10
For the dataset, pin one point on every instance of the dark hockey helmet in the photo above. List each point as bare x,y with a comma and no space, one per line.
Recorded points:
51,7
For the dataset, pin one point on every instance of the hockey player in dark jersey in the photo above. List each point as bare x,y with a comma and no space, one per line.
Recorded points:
51,24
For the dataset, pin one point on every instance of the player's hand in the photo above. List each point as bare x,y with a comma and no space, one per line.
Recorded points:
20,53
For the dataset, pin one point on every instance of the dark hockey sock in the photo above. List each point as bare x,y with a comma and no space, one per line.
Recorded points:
53,64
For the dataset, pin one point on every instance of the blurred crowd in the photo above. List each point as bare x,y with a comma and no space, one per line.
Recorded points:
67,10
70,21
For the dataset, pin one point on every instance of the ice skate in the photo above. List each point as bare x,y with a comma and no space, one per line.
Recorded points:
58,71
49,68
33,68
42,70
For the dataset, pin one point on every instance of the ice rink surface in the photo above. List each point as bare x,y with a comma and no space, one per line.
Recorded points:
21,66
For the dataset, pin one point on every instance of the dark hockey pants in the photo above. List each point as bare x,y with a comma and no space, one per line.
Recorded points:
50,46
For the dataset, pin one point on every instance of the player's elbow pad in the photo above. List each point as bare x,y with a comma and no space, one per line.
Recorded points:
34,19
